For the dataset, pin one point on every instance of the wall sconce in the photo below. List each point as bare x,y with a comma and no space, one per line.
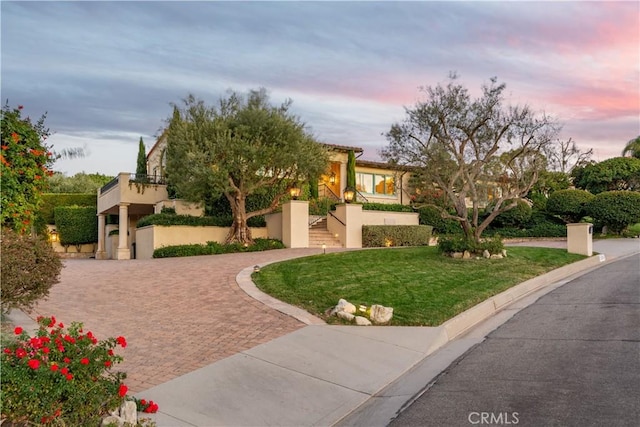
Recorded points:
349,194
294,192
332,178
53,236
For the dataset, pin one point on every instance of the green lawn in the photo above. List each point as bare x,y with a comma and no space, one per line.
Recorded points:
423,286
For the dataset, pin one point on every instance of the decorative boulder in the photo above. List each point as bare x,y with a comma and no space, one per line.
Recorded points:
129,412
362,321
381,314
344,305
112,420
504,253
486,254
346,316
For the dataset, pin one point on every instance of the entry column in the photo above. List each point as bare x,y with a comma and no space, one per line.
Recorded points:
101,253
123,231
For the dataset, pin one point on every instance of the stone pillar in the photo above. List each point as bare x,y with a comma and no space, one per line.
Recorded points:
295,224
123,231
580,238
101,253
351,215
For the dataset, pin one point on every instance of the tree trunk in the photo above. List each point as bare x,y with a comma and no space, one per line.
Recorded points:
239,231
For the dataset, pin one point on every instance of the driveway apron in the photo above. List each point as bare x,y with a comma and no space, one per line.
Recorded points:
177,314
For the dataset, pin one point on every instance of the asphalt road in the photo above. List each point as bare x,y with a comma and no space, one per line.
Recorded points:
570,359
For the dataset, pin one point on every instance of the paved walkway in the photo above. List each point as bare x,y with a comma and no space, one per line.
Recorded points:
177,314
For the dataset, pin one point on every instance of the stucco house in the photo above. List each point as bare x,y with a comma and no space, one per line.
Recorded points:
130,198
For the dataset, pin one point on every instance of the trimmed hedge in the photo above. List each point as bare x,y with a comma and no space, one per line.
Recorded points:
52,200
569,204
615,209
430,215
76,225
388,207
515,217
169,219
214,248
374,236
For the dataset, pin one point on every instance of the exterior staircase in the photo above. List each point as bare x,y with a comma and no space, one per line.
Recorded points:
319,235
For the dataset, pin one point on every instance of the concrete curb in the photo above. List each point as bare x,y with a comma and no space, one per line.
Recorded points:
243,279
466,320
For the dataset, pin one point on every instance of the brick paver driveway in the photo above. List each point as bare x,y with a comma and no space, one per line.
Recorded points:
177,314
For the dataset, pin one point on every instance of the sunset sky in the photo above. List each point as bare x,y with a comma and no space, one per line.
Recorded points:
107,72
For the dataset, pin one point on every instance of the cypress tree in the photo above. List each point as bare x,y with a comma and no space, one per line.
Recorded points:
141,167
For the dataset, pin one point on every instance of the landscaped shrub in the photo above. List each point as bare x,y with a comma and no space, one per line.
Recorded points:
540,224
615,209
60,376
569,204
515,217
76,225
322,206
214,248
388,207
51,201
431,215
29,268
374,236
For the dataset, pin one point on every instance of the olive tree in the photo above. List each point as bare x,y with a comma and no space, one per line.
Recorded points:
241,146
476,150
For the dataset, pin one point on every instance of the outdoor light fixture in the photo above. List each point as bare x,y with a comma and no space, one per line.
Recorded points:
324,248
53,236
294,192
349,194
332,178
256,268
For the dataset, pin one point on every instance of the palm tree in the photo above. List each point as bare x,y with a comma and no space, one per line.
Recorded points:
632,148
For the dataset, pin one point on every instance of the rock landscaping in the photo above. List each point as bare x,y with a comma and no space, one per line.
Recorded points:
362,315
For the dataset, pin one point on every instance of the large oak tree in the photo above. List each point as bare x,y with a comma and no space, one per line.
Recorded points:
468,146
236,148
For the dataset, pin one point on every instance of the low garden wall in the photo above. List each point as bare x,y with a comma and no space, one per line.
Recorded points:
152,237
389,218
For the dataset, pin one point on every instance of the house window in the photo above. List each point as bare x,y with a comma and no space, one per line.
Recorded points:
375,184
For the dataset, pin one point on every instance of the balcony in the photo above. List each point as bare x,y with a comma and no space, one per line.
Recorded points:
140,193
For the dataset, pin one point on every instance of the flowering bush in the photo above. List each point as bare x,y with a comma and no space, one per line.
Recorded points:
146,406
25,160
61,376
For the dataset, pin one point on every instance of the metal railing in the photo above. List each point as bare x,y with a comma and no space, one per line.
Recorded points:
109,185
336,218
326,192
147,179
135,178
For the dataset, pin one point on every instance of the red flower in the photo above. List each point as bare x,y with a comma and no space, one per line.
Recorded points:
21,352
60,325
46,350
120,340
64,371
110,352
7,350
107,363
52,322
143,402
17,330
34,364
54,368
122,390
84,361
69,377
66,360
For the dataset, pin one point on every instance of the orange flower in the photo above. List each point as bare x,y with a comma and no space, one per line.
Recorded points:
15,137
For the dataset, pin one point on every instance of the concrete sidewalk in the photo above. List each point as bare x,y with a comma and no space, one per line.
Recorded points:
348,375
